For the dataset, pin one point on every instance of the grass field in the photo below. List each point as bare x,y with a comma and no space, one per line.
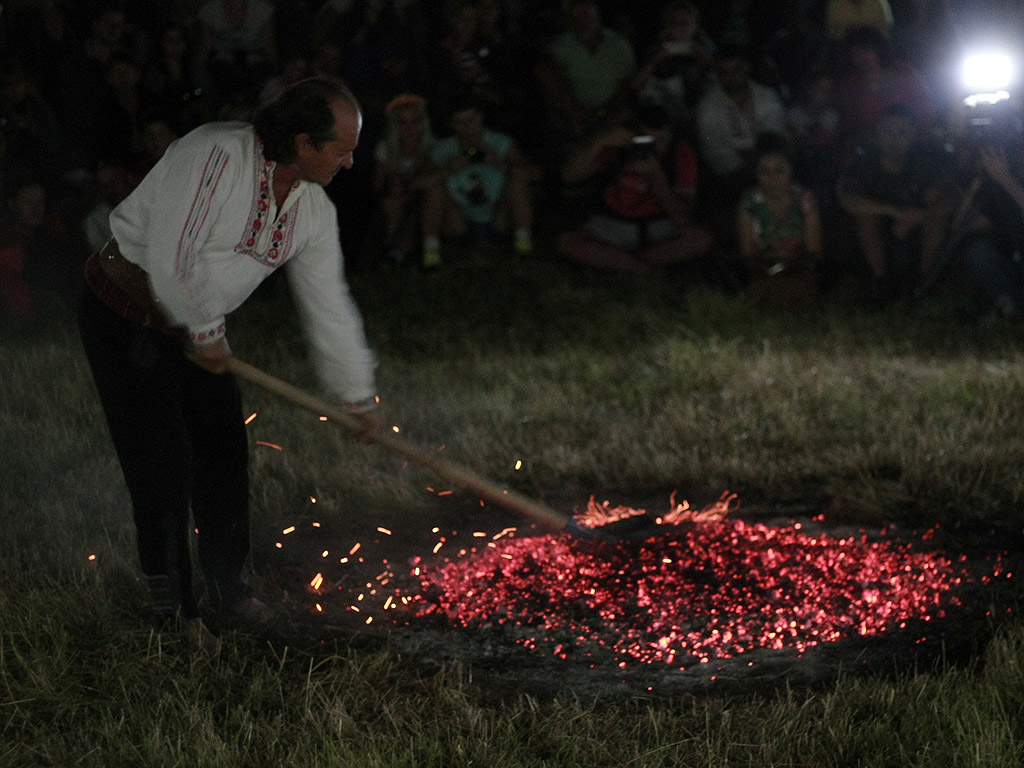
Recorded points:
561,384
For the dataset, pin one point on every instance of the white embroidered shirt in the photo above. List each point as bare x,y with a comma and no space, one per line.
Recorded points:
204,225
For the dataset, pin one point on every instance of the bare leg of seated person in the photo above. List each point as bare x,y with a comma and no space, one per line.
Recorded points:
692,243
872,245
585,249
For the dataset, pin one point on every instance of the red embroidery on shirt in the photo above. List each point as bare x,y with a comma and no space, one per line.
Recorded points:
281,238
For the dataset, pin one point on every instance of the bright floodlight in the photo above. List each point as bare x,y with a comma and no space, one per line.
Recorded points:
988,71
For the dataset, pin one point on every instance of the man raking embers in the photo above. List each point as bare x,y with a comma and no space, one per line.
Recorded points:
226,206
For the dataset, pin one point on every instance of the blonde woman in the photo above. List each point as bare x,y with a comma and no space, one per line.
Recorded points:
401,173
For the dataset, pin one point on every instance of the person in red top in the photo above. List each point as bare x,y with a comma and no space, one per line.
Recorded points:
649,180
38,277
876,81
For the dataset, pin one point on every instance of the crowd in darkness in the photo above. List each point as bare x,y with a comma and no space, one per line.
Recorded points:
813,91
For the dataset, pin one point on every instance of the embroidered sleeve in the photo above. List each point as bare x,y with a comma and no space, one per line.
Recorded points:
334,328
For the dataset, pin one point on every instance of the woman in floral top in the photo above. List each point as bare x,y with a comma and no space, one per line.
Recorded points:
779,230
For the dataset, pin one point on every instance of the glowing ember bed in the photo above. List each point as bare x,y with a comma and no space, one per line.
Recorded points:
702,587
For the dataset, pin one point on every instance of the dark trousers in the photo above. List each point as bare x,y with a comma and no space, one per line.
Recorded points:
999,275
180,439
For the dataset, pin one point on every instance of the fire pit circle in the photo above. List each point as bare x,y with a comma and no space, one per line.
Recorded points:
701,599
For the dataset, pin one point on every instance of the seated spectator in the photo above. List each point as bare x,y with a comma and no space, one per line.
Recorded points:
813,123
779,230
468,67
402,173
294,67
113,184
342,20
119,127
39,271
733,113
842,16
586,73
533,23
995,253
482,186
504,49
16,299
378,55
158,131
797,46
111,34
675,72
645,215
459,69
900,198
29,132
729,118
237,45
510,63
875,81
382,47
173,82
37,34
83,82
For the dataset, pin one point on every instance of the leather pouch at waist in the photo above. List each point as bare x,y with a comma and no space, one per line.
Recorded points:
124,288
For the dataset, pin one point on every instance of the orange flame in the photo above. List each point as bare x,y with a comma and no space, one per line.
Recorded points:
597,515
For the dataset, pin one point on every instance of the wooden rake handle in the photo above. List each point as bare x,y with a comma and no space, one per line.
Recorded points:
486,489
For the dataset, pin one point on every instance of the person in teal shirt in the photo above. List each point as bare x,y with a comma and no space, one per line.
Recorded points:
481,187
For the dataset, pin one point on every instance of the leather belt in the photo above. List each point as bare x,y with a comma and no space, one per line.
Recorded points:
124,288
